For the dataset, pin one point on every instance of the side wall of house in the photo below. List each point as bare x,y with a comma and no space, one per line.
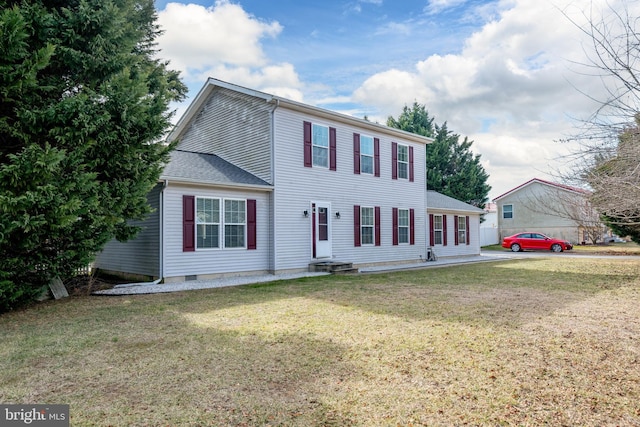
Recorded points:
450,249
297,187
205,263
235,127
140,256
532,210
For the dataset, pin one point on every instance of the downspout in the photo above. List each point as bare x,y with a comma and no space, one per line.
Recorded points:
165,184
272,213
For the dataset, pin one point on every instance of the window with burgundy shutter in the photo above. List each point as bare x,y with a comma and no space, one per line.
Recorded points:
378,232
412,226
356,153
468,230
319,146
356,225
444,230
403,226
395,226
188,224
252,230
438,232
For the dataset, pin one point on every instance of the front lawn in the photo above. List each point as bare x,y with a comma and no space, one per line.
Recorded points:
545,341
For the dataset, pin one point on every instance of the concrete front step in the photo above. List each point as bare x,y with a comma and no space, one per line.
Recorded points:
334,267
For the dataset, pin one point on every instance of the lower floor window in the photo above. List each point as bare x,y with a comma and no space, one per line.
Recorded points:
367,223
437,229
462,230
210,221
403,225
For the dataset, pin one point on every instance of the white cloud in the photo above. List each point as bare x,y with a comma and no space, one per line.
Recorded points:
436,6
197,37
510,89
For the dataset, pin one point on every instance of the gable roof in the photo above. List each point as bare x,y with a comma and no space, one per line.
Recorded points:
211,84
439,201
187,166
543,182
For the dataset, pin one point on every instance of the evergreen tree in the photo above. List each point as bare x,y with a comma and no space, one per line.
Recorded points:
83,104
452,169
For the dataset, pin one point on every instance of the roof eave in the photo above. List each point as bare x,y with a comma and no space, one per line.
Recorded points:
238,186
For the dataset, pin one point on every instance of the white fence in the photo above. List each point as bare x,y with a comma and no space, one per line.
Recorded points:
489,236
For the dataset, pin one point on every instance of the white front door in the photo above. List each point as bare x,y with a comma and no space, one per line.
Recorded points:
321,229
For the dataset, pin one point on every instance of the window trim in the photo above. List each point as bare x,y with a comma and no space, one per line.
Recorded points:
222,223
371,156
197,222
399,162
503,211
408,226
461,238
441,229
314,145
371,226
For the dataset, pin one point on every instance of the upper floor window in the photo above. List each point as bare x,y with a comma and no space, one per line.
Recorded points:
507,211
320,143
366,154
403,162
319,146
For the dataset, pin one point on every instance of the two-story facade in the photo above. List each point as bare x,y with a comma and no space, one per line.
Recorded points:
260,183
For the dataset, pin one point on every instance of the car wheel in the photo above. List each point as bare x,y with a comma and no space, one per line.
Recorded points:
515,247
556,247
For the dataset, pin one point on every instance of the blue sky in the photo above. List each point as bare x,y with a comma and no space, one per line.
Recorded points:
503,73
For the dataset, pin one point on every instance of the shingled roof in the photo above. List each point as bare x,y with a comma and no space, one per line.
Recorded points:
437,200
187,166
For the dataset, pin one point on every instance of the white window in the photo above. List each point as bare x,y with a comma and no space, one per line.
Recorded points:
234,223
207,223
403,161
367,224
403,225
366,154
210,220
507,211
437,229
320,144
462,230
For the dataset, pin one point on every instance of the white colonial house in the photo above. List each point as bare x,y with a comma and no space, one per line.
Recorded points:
259,183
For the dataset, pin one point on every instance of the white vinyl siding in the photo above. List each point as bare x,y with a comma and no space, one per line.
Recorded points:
298,186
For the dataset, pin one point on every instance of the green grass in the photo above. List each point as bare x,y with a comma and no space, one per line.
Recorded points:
549,341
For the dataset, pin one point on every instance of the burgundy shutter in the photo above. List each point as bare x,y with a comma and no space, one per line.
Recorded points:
377,226
411,164
455,229
307,144
356,225
444,230
468,231
395,226
356,153
252,234
394,160
431,233
188,224
332,149
376,156
412,226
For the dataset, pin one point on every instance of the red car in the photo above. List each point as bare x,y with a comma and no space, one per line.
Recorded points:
535,241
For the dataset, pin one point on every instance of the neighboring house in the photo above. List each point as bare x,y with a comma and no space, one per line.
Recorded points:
553,209
260,183
454,226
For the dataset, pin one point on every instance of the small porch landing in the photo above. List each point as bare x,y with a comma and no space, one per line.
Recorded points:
333,267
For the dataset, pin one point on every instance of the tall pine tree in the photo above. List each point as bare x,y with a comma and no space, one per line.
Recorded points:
452,168
83,104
